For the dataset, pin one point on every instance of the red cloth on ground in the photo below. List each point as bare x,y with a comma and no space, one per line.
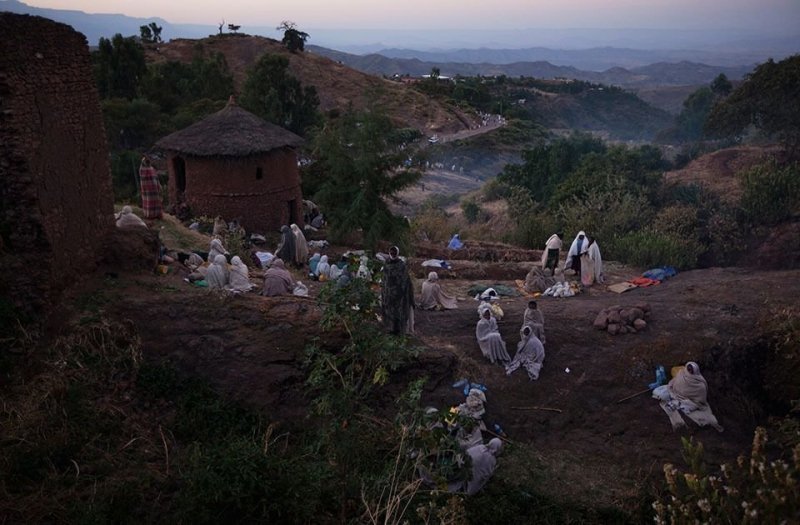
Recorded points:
643,282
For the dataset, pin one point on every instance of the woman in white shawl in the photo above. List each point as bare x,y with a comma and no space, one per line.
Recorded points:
323,269
577,247
550,253
300,245
530,354
433,297
216,248
596,261
489,339
218,275
687,392
240,276
129,219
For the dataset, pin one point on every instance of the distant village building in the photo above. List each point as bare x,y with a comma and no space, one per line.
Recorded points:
236,165
56,201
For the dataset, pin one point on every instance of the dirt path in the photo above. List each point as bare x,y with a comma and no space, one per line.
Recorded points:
492,122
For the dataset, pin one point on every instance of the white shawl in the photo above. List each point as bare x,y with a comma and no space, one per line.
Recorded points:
217,275
553,243
240,276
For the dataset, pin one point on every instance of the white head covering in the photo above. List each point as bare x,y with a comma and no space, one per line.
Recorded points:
573,249
323,268
433,276
218,275
215,248
128,218
495,446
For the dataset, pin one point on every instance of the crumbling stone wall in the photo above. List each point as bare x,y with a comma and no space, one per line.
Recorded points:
258,190
56,204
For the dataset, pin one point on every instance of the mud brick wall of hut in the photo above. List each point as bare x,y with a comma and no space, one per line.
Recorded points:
261,191
56,201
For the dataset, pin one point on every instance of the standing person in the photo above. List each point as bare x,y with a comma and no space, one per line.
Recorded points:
150,189
489,339
550,253
530,354
596,260
300,246
397,295
574,255
285,249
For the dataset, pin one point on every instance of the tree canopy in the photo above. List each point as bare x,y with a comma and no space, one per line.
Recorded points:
768,99
118,66
293,38
358,167
275,95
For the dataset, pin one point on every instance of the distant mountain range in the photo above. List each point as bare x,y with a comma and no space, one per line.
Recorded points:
740,57
658,74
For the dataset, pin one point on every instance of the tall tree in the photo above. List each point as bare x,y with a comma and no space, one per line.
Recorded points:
293,38
119,65
768,99
359,166
272,93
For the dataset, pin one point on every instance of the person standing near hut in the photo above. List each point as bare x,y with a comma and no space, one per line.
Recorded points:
397,295
286,251
150,190
300,246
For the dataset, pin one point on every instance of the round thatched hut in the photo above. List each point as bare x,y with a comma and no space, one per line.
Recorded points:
238,166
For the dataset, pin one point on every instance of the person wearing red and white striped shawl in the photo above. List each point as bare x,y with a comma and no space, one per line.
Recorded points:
150,189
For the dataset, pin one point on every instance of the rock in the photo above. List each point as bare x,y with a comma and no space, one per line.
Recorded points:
626,316
640,324
638,313
614,317
623,329
601,321
645,307
613,328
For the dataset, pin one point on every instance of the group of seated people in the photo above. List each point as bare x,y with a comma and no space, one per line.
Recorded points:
530,349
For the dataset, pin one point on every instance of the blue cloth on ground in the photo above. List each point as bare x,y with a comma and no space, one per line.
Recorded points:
661,378
662,273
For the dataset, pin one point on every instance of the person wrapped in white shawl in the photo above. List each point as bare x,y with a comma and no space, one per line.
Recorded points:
530,354
489,339
687,393
577,247
433,297
218,275
128,219
239,276
216,248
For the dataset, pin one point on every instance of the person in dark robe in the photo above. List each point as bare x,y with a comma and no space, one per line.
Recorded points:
286,251
397,295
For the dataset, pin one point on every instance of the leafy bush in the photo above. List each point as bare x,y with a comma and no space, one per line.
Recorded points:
495,189
771,192
533,230
648,248
472,210
753,490
432,224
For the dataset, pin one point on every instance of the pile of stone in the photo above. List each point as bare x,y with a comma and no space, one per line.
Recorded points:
623,320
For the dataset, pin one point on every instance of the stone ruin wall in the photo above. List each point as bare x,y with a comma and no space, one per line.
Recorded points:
228,187
56,201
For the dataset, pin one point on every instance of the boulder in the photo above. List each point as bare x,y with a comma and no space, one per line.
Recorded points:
601,321
614,317
645,307
638,313
613,328
640,324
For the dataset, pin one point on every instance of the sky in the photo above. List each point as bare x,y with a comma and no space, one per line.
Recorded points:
755,16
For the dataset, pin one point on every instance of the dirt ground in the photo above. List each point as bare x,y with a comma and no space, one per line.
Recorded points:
251,348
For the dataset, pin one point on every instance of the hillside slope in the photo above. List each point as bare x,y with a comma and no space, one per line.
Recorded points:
338,85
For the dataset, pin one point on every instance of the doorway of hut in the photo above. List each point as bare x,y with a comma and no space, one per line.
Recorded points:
179,169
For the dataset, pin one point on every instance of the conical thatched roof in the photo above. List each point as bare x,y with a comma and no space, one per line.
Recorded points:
231,132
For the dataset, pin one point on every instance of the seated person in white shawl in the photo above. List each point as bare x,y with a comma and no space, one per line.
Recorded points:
127,219
473,408
534,318
484,463
240,276
323,269
530,354
489,339
433,298
687,393
216,248
218,275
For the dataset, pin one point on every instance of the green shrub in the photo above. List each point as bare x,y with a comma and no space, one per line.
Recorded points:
533,230
124,173
472,210
753,490
647,249
771,193
495,189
